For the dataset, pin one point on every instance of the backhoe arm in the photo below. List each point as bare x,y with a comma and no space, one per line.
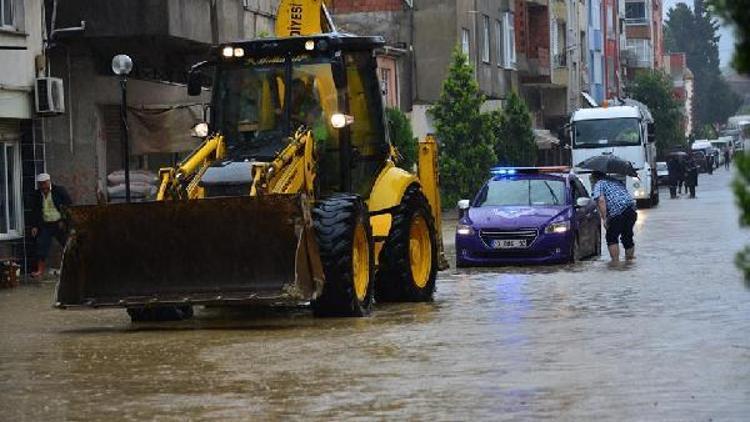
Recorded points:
191,168
292,171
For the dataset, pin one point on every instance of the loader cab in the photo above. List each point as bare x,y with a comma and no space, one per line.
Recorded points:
266,90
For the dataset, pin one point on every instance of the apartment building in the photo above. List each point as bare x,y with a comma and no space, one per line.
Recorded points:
644,33
393,20
163,38
21,151
544,52
675,65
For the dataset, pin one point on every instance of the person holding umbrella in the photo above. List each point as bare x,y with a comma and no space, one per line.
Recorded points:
616,206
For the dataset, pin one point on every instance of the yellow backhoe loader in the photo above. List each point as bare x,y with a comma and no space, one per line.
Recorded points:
292,198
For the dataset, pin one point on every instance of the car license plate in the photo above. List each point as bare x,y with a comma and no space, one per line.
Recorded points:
508,243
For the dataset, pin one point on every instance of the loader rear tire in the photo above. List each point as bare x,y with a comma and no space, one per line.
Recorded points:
166,313
342,227
409,259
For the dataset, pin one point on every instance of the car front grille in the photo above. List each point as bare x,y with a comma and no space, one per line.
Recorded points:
488,235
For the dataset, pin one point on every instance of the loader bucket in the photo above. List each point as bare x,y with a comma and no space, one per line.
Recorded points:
209,251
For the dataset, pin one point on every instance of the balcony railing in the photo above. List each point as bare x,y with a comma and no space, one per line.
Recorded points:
636,21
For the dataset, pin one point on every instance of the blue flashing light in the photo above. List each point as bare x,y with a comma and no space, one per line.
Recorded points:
502,171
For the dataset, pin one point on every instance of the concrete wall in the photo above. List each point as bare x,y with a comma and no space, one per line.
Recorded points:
17,68
436,34
80,165
192,20
393,24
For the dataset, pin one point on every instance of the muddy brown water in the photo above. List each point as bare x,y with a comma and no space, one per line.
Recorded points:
666,338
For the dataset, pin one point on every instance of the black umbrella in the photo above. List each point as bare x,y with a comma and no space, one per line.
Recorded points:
610,164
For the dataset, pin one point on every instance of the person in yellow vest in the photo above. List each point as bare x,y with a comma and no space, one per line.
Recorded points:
47,210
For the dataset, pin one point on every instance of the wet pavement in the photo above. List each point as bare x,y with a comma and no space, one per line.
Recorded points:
665,338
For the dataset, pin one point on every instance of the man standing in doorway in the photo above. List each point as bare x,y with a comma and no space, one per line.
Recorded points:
617,211
47,209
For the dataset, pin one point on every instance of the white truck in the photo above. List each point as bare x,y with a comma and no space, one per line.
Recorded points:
625,131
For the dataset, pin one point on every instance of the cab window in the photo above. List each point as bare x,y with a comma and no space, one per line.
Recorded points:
368,140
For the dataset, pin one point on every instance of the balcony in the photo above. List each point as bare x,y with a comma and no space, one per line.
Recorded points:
184,19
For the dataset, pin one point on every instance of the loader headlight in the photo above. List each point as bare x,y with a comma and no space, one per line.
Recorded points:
200,130
559,227
464,230
339,120
309,45
230,51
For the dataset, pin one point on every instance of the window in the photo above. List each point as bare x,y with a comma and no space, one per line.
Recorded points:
635,11
366,133
486,39
642,50
554,37
465,43
10,191
610,22
6,12
606,133
509,36
499,42
515,192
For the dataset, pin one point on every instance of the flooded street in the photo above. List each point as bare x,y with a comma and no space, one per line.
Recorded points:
666,338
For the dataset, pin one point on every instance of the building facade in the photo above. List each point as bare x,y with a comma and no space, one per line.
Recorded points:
393,20
21,147
644,33
675,65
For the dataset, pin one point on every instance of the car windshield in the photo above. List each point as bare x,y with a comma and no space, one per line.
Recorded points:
522,192
606,133
251,107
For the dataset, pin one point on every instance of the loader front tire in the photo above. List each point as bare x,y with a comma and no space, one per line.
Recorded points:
342,227
409,259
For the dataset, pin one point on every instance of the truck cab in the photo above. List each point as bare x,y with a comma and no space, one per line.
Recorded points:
625,131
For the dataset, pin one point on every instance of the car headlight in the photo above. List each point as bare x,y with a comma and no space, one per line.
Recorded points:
559,227
464,230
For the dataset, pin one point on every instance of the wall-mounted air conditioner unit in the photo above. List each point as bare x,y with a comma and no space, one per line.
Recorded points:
50,96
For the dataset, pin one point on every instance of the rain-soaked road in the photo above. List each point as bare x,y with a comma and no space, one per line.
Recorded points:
666,338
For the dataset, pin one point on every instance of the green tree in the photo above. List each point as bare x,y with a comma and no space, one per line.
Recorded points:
655,90
465,133
515,145
402,137
737,12
695,34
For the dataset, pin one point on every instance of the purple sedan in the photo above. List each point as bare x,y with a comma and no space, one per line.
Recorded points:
528,216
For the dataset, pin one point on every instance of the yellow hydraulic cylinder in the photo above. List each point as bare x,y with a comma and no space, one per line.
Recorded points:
430,180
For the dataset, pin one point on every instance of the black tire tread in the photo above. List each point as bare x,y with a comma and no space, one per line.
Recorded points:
393,281
335,219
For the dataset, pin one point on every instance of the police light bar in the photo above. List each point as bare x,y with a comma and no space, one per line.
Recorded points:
510,171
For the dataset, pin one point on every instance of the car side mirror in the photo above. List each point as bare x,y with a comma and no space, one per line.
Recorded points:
583,202
463,206
195,86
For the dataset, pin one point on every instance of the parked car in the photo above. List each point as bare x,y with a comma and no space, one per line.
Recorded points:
662,173
532,215
700,161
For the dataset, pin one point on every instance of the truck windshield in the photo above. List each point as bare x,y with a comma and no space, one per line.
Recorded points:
250,103
515,192
606,133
